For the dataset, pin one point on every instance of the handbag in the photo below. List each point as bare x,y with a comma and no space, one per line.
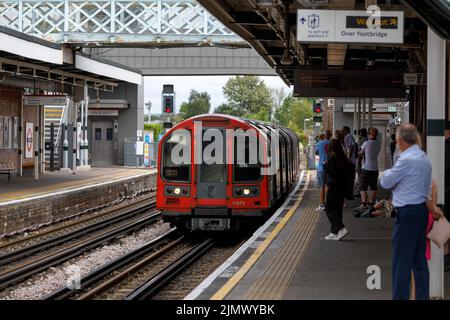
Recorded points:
440,233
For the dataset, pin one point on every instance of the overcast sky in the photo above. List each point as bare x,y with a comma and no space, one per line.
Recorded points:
184,84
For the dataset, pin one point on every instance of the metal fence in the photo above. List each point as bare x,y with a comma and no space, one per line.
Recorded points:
131,159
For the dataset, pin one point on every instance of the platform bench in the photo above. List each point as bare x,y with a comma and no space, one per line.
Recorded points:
7,168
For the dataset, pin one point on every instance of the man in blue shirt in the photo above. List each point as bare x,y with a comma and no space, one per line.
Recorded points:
410,181
322,152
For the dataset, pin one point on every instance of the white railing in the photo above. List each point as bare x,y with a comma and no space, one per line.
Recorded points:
110,21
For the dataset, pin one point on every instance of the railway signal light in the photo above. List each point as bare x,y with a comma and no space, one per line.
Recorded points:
168,104
317,107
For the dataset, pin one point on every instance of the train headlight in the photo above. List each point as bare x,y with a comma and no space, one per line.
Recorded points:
246,191
177,191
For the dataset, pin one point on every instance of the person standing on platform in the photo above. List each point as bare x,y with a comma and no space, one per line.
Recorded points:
410,181
392,147
362,137
350,148
369,174
337,168
322,152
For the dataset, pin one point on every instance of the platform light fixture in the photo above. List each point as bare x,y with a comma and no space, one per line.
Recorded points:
267,3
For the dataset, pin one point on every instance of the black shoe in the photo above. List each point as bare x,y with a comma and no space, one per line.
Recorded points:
367,214
356,214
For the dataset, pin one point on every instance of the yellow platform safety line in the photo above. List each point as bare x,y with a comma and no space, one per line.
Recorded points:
63,186
234,280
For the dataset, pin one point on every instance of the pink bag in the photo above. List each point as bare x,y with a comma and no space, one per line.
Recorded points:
440,232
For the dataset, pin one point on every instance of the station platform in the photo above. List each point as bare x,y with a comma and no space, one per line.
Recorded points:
289,259
56,181
26,203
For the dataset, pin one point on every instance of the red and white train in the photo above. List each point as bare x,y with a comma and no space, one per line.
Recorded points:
196,194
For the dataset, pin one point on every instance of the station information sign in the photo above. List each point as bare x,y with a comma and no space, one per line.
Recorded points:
29,143
349,26
45,100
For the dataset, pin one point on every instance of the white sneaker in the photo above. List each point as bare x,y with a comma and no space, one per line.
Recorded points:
332,236
342,233
320,208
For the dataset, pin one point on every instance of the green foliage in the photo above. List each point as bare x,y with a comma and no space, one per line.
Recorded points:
198,103
292,113
157,128
247,96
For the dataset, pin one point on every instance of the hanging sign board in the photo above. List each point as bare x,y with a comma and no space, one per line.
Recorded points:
139,148
29,134
414,79
349,26
45,100
103,112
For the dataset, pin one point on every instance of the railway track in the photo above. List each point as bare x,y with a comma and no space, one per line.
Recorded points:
151,287
92,279
28,269
139,273
50,242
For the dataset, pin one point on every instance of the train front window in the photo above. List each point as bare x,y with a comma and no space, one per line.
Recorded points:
248,167
177,156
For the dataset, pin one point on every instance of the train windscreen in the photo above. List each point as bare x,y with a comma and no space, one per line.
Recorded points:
172,169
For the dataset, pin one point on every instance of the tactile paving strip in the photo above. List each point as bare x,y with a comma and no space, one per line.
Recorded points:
274,281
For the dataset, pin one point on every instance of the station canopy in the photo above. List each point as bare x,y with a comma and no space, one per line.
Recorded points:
271,28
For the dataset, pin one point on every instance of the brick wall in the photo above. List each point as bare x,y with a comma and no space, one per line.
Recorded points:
25,214
9,107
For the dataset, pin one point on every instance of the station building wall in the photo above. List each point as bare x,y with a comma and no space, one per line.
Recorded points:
128,121
10,121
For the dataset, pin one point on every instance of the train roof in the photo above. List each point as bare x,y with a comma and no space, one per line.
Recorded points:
256,124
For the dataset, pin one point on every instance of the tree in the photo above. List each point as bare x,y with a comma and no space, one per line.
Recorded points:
224,109
198,103
278,96
292,114
157,128
247,96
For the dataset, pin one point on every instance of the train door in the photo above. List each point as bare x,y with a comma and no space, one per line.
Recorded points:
102,142
212,178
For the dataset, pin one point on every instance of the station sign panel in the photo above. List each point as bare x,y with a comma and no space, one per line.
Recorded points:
29,143
415,79
103,112
349,26
45,100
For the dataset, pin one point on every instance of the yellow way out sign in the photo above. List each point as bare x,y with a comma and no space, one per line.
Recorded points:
349,26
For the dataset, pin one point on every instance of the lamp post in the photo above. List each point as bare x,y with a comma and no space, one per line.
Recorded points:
149,106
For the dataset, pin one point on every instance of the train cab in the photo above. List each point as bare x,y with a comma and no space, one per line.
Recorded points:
217,172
